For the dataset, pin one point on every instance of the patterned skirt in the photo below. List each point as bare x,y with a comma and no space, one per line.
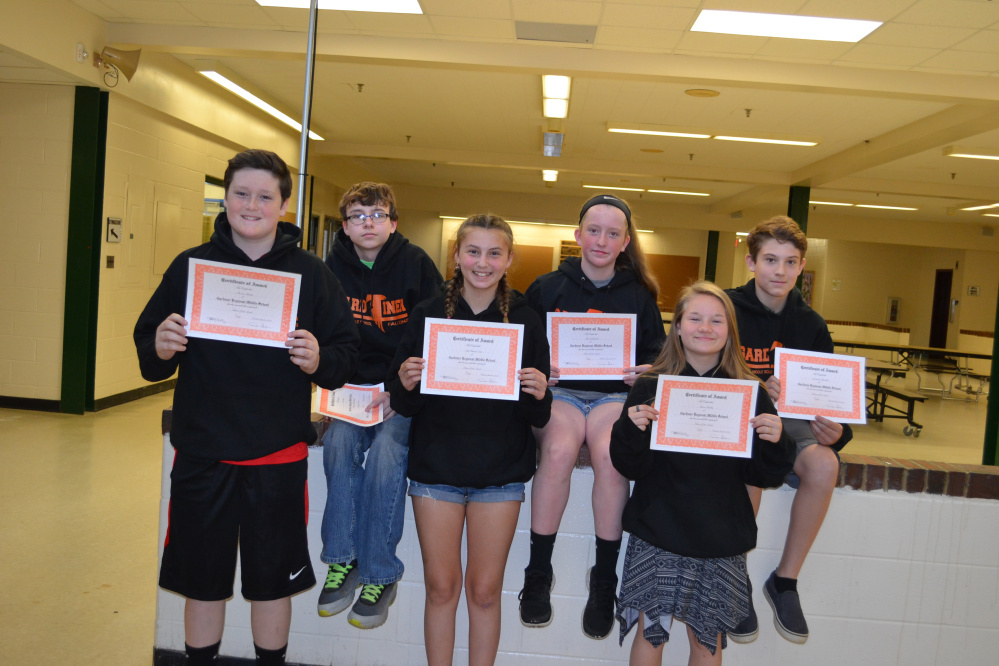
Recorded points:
711,595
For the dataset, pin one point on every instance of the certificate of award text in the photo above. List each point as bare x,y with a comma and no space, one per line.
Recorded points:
472,359
239,304
818,384
592,345
703,415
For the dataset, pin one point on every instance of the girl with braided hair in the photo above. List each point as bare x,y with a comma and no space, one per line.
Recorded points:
470,457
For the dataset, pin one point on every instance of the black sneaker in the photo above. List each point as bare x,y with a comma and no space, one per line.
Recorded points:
337,595
598,616
788,618
372,607
747,630
535,599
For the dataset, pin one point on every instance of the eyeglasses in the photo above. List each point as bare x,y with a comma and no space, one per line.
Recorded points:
358,219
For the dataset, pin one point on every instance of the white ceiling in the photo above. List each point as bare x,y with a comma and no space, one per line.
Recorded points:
452,96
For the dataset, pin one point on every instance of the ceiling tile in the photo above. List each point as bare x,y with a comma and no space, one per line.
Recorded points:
985,41
908,34
637,39
152,11
877,54
866,10
705,42
642,16
493,9
472,28
392,23
231,15
967,61
801,50
98,8
955,13
585,12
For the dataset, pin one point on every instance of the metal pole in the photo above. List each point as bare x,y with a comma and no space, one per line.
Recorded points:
310,61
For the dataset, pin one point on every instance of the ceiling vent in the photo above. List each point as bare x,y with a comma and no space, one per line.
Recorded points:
552,144
556,32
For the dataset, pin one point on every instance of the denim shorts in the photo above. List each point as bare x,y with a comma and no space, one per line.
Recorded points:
511,492
584,401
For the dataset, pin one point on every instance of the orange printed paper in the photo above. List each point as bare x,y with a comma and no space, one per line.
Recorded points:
348,403
707,416
592,345
237,304
818,384
472,359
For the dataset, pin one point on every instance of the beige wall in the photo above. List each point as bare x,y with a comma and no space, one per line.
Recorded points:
36,134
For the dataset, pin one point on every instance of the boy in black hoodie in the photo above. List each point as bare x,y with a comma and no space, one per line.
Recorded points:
384,277
241,420
771,313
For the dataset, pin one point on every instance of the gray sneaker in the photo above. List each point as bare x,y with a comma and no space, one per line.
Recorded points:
338,592
747,630
371,609
788,618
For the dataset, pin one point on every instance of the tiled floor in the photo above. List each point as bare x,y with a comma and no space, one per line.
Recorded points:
79,504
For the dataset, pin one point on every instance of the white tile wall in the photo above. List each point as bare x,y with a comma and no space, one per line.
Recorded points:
36,135
872,589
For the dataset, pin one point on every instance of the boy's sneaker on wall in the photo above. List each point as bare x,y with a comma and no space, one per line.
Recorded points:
598,616
338,591
788,618
535,599
372,607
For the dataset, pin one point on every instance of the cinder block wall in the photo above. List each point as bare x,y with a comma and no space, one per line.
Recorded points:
894,578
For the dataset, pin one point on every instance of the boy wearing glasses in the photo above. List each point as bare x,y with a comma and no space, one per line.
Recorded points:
384,276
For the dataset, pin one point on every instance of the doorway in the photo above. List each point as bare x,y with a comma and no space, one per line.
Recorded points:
941,308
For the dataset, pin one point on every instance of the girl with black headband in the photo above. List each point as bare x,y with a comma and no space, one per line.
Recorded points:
612,276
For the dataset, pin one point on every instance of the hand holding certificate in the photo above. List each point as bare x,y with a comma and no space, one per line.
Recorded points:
592,345
469,359
707,416
234,303
350,403
816,384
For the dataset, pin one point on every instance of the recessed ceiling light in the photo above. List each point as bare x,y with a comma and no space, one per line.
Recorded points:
390,6
885,207
783,25
701,92
621,128
975,154
549,175
687,193
555,87
556,108
609,187
995,205
751,139
830,203
257,102
741,233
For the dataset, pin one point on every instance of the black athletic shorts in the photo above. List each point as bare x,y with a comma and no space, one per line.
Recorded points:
215,506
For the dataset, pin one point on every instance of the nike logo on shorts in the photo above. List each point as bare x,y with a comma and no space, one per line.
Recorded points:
295,575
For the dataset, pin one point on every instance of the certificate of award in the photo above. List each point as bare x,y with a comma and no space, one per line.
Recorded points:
817,384
710,416
348,403
239,304
592,345
472,359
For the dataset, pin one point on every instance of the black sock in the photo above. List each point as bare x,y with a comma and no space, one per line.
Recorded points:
202,656
542,546
270,657
785,584
606,564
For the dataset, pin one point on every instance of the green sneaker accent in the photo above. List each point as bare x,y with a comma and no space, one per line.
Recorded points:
371,609
338,591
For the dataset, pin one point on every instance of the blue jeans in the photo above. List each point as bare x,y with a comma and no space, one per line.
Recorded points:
366,499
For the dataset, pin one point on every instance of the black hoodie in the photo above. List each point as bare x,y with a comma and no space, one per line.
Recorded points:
382,297
569,290
472,442
762,330
693,504
238,401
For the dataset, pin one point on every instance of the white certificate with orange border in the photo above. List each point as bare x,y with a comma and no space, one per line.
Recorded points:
589,345
819,384
348,402
708,416
239,304
472,359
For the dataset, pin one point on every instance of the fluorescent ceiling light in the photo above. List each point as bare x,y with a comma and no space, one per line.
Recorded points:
955,151
608,187
750,139
741,233
556,108
830,203
995,205
990,214
257,102
689,194
885,207
549,175
555,87
391,6
783,25
687,135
